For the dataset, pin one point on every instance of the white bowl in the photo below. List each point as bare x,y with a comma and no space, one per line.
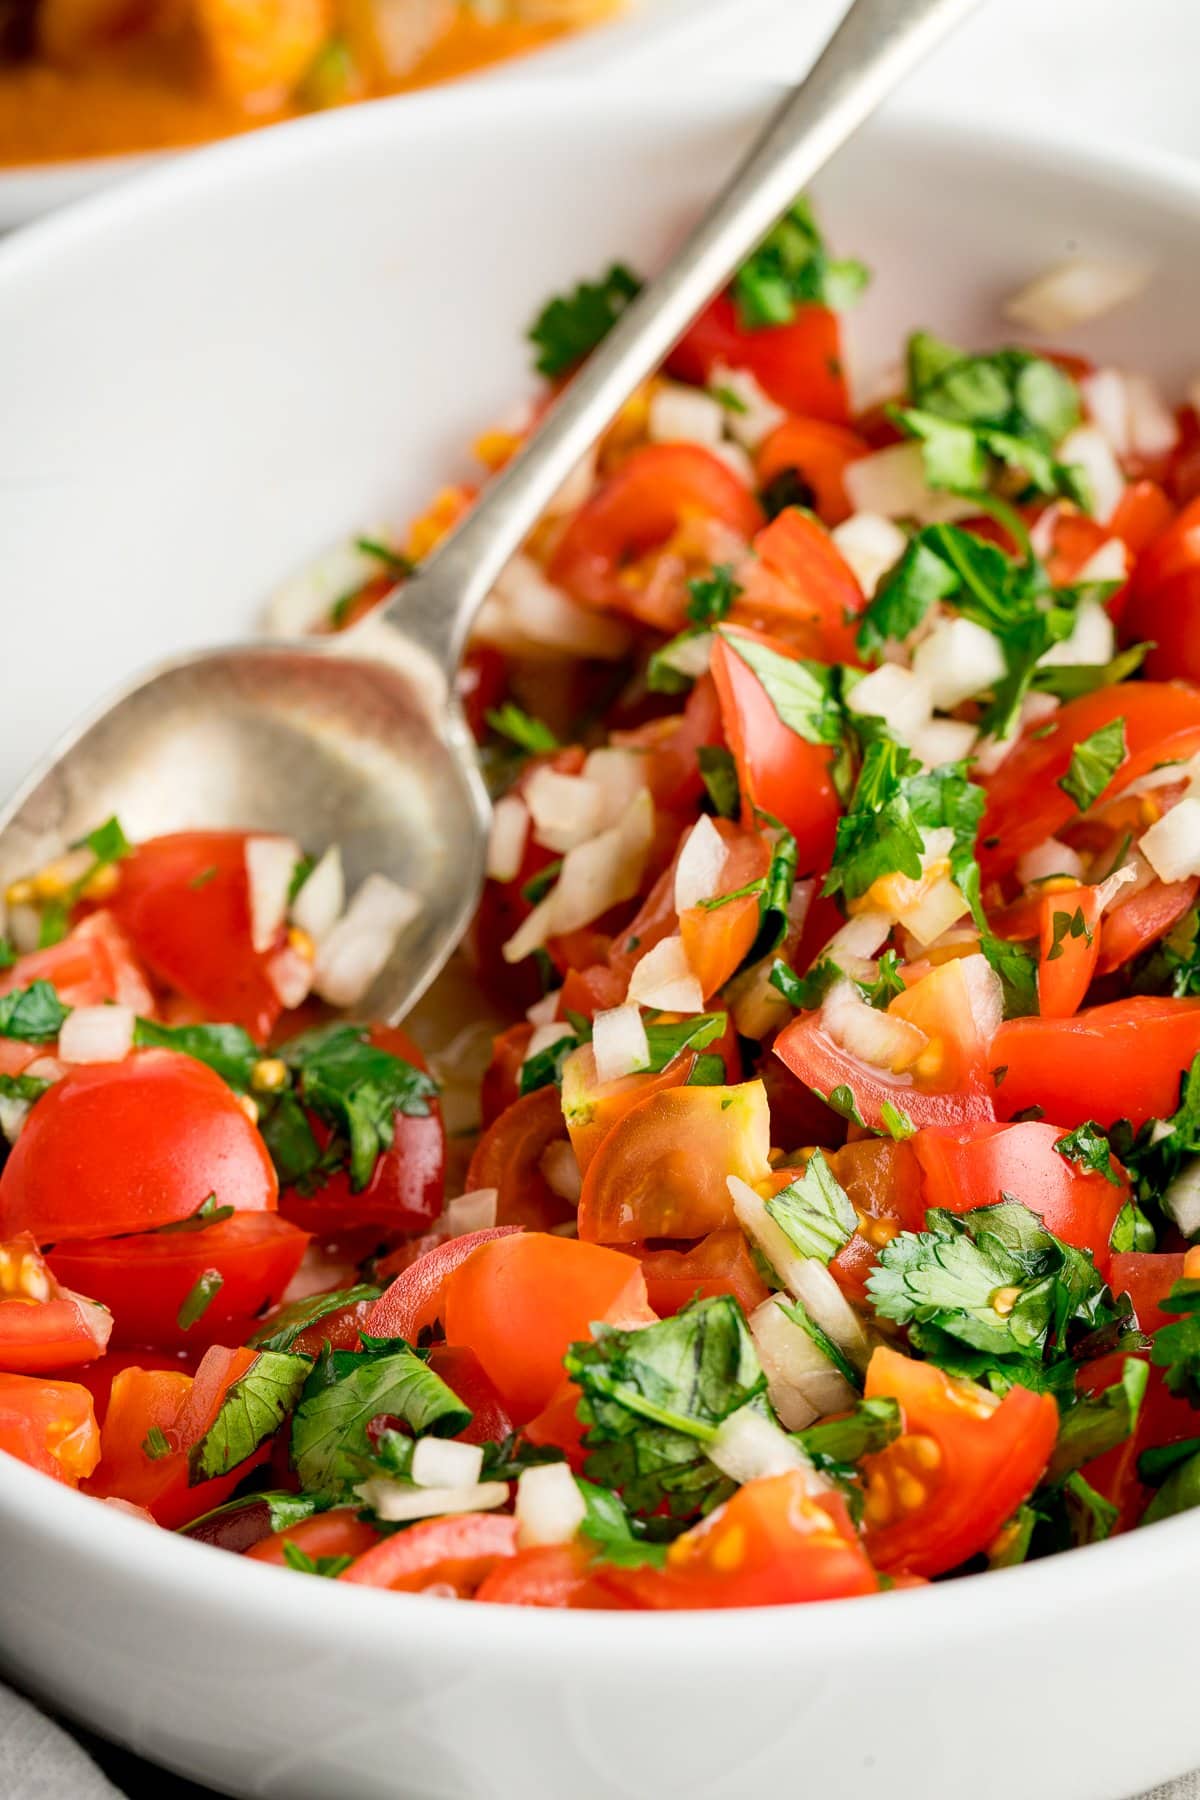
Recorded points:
641,31
284,338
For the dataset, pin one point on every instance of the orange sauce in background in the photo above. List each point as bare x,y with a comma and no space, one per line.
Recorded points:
144,98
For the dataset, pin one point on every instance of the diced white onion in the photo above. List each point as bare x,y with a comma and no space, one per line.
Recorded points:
944,741
861,935
24,927
896,695
291,976
684,415
750,1210
1181,1197
871,544
396,1502
1109,563
1108,406
543,1011
892,482
688,656
1075,291
937,908
957,660
620,775
1153,429
13,1114
879,1038
566,809
1092,638
1091,451
45,1068
606,870
546,1036
756,1006
528,616
506,838
560,1171
802,1383
1050,857
757,415
985,994
443,1463
1172,844
306,598
619,1042
748,1446
318,906
96,1034
549,1507
1114,884
701,861
663,978
359,945
475,1211
533,931
270,865
736,460
829,1308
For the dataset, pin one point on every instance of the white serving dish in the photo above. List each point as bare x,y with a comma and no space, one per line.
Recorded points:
286,337
640,32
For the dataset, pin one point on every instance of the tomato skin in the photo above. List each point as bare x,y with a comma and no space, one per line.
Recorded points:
1065,968
508,1158
661,1171
820,453
979,1165
502,1081
634,511
1168,616
672,768
1132,926
1123,1060
163,1115
1147,1276
51,1425
459,1551
406,1186
720,1263
716,940
558,1575
145,1278
1174,552
779,771
339,1532
416,1298
92,964
800,591
519,1301
98,1377
592,1108
799,365
44,1327
462,1370
772,1544
1025,804
191,927
988,1459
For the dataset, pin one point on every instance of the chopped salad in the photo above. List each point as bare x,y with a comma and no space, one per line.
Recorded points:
801,1205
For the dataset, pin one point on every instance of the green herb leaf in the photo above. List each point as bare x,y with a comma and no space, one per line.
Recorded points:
228,1049
1088,1147
1176,1348
711,597
1094,762
252,1410
207,1213
358,1089
610,1530
34,1014
814,1212
283,1511
521,728
199,1298
329,1566
22,1087
1095,1425
718,771
792,268
155,1444
571,325
345,1391
1180,1492
281,1332
804,694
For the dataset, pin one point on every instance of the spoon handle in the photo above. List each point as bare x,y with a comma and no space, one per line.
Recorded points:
873,48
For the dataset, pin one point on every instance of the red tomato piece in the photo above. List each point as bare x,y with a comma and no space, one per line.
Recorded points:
145,1278
518,1302
721,1263
779,771
184,901
814,597
1121,1061
637,509
458,1552
502,1081
963,1464
1134,924
558,1575
820,454
462,1370
772,1544
661,1171
716,939
1069,948
50,1425
1026,805
416,1298
979,1165
98,1377
1167,615
799,365
1147,1276
591,1108
130,1146
339,1532
43,1326
508,1158
92,964
671,744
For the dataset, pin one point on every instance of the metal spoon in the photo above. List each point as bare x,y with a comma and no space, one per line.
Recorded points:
359,740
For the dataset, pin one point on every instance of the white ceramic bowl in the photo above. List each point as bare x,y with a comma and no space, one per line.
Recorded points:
283,338
641,31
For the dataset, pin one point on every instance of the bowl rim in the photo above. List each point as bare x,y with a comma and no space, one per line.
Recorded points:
194,1574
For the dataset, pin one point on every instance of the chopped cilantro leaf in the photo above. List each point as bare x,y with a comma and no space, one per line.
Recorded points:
23,1087
1094,762
207,1213
199,1298
1099,1423
710,597
614,1533
34,1014
791,268
155,1444
521,728
358,1089
572,324
252,1410
1088,1146
1176,1347
539,885
228,1049
1065,925
814,1212
287,1325
329,1566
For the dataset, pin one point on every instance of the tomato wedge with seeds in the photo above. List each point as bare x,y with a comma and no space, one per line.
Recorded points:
720,1263
1132,925
458,1552
94,963
51,1425
44,1327
962,1465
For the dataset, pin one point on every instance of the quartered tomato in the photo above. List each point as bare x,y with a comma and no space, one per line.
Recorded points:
508,1158
44,1327
657,488
519,1301
981,1165
717,939
416,1298
662,1171
799,365
456,1552
592,1107
800,590
50,1425
93,963
462,1370
184,901
819,454
1025,803
772,1544
145,1279
130,1146
962,1465
1068,949
1132,925
720,1263
779,771
1121,1061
